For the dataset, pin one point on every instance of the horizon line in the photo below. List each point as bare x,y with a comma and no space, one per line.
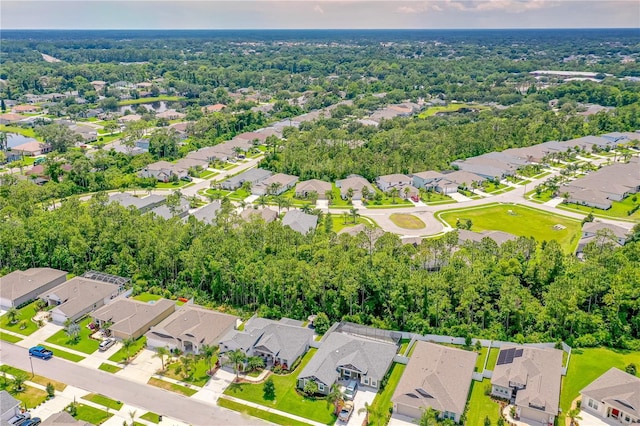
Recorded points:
321,29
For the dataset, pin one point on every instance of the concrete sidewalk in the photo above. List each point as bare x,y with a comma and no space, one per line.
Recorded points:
272,410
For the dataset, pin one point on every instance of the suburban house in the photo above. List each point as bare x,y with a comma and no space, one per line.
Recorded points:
208,213
79,296
189,328
181,129
486,167
9,407
143,204
253,137
320,187
10,117
614,395
191,163
386,182
253,176
87,133
163,171
462,178
213,108
601,233
274,185
277,342
128,318
63,419
530,378
266,214
344,357
20,287
426,180
499,237
166,212
31,149
25,108
299,221
129,118
437,377
355,183
171,114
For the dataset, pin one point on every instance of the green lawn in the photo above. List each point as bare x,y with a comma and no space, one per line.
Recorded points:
287,398
481,406
109,138
493,357
149,100
520,221
407,221
64,354
29,396
207,174
336,200
448,108
35,379
543,197
121,355
109,368
404,344
92,415
383,398
171,387
219,193
28,132
171,185
588,364
103,400
432,197
198,376
338,222
239,194
261,414
147,297
296,202
9,338
480,360
151,417
24,320
490,187
619,209
84,344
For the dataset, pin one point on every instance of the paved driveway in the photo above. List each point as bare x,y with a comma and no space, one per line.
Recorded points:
364,395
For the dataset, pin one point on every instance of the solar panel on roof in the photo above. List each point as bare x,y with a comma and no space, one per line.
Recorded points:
518,353
509,357
501,356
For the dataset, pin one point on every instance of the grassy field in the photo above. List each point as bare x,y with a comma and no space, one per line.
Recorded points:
520,221
24,320
29,396
121,355
103,400
481,406
198,376
588,364
84,344
171,387
383,398
147,297
109,368
480,360
35,379
287,398
28,132
172,185
407,221
261,414
64,354
149,100
151,417
493,357
448,108
92,415
618,209
338,222
9,338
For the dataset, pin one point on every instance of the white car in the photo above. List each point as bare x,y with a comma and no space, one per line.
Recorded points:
107,343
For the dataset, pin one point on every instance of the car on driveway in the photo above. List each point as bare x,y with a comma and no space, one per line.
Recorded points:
345,413
351,389
107,343
40,352
32,422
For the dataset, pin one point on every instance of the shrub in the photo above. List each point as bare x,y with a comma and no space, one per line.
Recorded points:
631,369
269,390
51,390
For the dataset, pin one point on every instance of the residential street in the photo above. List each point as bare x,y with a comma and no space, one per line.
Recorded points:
145,396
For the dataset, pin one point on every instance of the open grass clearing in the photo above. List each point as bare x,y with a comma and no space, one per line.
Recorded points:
481,406
35,379
151,417
122,354
147,297
103,400
9,338
261,414
520,221
618,210
482,355
84,342
382,401
109,368
95,416
23,325
407,221
197,375
287,398
162,384
64,354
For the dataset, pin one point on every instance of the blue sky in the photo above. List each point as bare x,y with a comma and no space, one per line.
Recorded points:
321,14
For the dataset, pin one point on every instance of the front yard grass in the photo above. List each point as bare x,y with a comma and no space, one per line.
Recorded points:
162,384
29,396
619,209
64,354
83,344
35,379
407,221
287,398
261,414
172,185
28,132
239,194
121,355
338,222
520,221
147,297
109,368
92,415
198,376
382,400
103,400
151,417
149,100
9,338
481,406
588,364
24,320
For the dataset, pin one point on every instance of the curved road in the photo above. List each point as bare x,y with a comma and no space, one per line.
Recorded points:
150,398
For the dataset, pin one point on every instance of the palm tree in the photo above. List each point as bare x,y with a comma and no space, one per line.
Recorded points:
132,414
329,196
354,214
574,415
274,188
429,417
365,193
236,359
335,397
350,192
373,411
18,381
161,352
255,363
13,315
262,201
126,345
306,208
208,352
394,192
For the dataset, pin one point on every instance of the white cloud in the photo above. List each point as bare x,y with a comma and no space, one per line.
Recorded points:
318,9
514,6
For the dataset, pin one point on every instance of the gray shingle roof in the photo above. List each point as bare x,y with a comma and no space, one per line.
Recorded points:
7,402
128,200
371,357
128,315
436,376
252,175
19,283
618,389
79,293
207,213
299,221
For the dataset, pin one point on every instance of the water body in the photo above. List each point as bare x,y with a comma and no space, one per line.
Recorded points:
15,139
160,106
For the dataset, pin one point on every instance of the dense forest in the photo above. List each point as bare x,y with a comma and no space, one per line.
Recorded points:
523,290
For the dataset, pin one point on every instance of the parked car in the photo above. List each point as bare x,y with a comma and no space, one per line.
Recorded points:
33,422
350,391
40,352
19,419
186,178
345,413
107,343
